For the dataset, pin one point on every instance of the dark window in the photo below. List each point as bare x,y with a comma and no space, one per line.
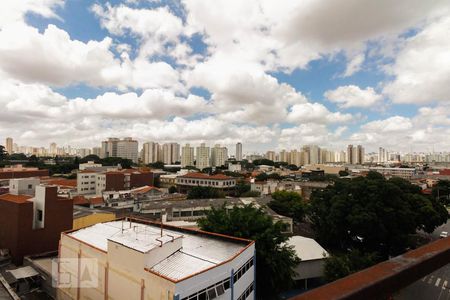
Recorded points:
176,214
39,215
226,284
30,186
220,290
202,296
212,293
186,213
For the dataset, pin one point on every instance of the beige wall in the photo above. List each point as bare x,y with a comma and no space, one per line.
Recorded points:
126,277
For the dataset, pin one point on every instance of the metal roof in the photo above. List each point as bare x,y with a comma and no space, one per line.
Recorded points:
306,248
198,252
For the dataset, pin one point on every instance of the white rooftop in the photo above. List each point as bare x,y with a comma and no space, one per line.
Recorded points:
198,251
306,248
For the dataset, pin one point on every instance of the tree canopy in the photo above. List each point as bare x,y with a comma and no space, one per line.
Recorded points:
289,204
373,214
441,191
204,192
274,259
3,152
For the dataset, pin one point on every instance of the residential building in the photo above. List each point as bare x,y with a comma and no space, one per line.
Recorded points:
53,149
382,155
9,145
350,156
91,182
97,151
126,148
145,260
270,155
219,156
405,173
151,152
312,258
18,171
202,157
219,181
187,156
239,151
89,165
170,153
32,224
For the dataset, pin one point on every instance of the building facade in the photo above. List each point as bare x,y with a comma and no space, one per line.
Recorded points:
186,182
187,156
219,155
202,157
33,224
126,148
144,260
239,151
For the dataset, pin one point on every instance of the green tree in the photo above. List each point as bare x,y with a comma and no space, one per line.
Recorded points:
341,265
3,153
373,214
114,161
289,204
251,194
90,157
263,161
261,177
204,192
343,173
441,191
274,259
241,188
156,165
172,189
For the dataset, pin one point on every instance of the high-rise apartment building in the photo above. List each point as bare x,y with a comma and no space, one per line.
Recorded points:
219,156
239,151
187,156
270,155
382,155
151,152
170,153
126,148
349,154
53,149
9,145
202,157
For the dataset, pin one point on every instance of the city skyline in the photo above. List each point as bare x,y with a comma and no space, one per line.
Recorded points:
162,70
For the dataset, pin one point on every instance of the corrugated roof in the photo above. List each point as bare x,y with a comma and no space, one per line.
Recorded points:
199,250
306,248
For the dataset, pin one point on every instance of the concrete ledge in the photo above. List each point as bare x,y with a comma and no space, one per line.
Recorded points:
384,279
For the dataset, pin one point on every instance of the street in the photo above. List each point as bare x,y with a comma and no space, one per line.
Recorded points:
435,286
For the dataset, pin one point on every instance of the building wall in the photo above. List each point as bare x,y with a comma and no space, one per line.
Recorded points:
16,225
141,179
115,181
120,278
92,219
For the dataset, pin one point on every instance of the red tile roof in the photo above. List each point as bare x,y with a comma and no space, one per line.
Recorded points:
96,200
144,189
444,172
87,171
79,200
62,182
15,198
198,175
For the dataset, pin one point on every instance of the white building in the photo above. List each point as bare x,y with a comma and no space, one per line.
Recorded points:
219,156
239,151
170,153
89,165
187,156
23,186
202,157
136,260
151,152
9,145
312,257
126,148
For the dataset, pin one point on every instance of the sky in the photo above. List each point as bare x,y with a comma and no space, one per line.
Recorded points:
272,74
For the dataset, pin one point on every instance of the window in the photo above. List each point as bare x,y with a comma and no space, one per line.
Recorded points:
39,215
176,214
212,293
30,186
186,213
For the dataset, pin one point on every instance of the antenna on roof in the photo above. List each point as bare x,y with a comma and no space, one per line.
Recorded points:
161,224
122,226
